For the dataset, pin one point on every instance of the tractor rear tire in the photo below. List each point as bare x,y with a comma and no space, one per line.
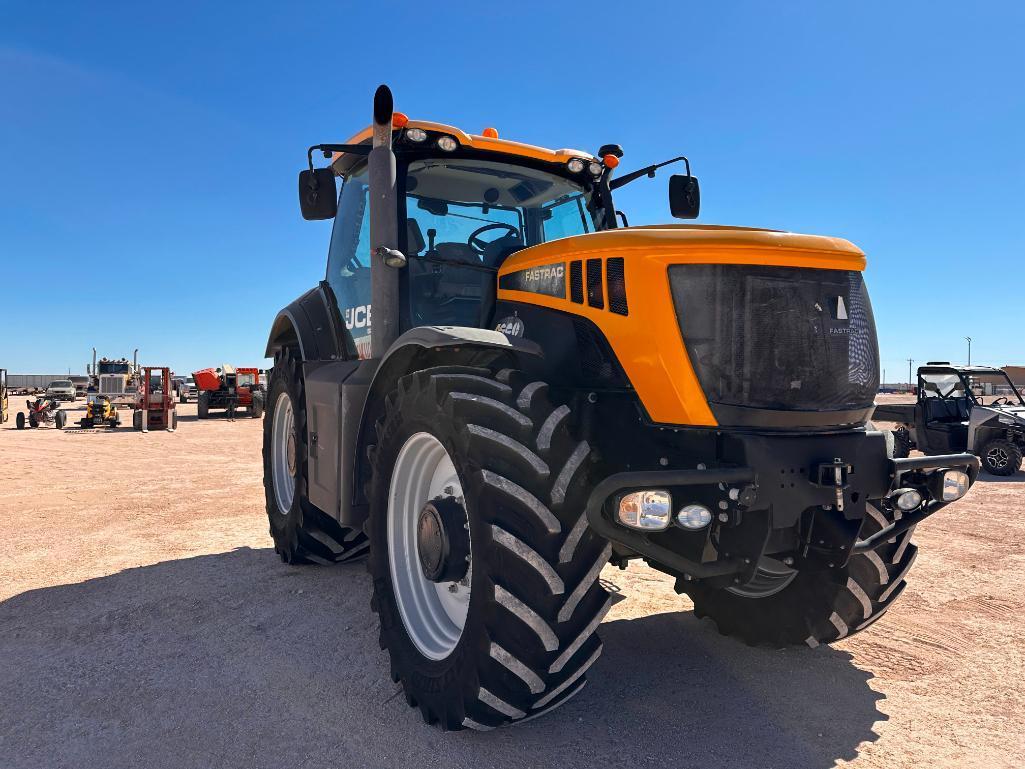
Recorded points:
301,532
815,606
137,420
60,419
1001,457
256,409
19,420
532,596
203,406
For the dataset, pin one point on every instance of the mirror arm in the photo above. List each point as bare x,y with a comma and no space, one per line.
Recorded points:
328,149
648,171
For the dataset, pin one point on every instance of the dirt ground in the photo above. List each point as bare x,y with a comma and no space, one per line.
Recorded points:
146,622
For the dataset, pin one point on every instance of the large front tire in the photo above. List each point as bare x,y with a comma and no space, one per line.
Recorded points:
527,634
813,607
301,532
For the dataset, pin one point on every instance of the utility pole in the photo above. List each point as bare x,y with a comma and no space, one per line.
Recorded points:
910,361
969,350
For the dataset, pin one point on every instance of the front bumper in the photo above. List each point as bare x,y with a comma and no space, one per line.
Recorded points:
799,507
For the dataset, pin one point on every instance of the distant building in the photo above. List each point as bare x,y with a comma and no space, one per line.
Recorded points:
1016,374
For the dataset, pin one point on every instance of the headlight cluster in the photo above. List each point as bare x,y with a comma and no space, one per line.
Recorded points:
577,166
652,510
445,143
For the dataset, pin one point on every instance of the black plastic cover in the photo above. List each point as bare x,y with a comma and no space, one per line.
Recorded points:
780,338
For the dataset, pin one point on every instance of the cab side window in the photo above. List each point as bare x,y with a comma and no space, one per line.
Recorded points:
348,263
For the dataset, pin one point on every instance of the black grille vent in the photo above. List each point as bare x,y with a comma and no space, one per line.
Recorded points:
595,361
595,295
615,277
576,282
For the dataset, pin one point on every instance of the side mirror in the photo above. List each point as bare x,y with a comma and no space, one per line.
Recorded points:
318,198
684,196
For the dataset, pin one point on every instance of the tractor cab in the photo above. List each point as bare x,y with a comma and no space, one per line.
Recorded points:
463,205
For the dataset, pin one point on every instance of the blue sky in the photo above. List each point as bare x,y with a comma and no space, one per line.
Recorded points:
148,152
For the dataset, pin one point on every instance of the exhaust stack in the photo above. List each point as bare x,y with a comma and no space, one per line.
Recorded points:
384,280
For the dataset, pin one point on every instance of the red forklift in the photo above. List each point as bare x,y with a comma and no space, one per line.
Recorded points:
155,402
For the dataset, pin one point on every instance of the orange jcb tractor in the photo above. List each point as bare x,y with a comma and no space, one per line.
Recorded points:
500,387
229,389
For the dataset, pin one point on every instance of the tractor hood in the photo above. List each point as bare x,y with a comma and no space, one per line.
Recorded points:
683,243
715,325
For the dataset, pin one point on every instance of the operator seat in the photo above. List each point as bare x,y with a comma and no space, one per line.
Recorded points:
946,423
497,251
446,294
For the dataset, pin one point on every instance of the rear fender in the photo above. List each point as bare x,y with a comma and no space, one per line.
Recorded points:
313,324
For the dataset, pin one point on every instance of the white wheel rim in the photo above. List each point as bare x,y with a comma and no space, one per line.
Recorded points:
283,453
434,614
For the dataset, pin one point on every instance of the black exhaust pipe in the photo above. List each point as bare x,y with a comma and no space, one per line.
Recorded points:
384,280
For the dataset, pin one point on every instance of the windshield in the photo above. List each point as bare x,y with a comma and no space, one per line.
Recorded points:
988,389
61,383
245,380
113,368
478,213
521,206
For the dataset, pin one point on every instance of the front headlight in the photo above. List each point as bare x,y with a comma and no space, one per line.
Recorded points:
954,486
648,510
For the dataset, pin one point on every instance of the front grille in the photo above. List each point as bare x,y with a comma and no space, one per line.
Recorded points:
784,338
112,385
576,282
595,294
615,278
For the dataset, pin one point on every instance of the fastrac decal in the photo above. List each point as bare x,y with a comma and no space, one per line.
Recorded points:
548,279
510,326
840,322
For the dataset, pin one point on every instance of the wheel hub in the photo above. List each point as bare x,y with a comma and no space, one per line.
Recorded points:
997,457
442,540
771,577
290,454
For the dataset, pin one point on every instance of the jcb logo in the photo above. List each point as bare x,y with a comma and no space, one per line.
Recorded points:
544,273
357,317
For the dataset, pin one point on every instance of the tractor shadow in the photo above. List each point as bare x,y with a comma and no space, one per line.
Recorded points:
236,659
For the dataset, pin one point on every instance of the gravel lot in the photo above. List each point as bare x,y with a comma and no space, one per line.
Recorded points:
145,621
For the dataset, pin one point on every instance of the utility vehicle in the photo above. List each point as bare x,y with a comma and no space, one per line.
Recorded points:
962,408
499,387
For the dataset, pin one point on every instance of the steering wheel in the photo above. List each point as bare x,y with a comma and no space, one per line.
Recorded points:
479,245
